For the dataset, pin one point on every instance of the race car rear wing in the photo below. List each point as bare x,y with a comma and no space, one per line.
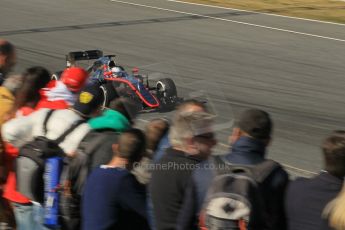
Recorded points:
72,57
110,55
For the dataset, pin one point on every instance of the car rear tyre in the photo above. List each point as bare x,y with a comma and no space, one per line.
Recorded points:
167,94
109,93
166,88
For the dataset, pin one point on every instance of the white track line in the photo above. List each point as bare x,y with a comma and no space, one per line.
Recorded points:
298,169
143,120
285,165
233,21
257,12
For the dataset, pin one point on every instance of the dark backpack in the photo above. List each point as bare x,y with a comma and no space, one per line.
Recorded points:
235,198
30,163
94,150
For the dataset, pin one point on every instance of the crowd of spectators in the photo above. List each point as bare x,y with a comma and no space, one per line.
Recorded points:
163,177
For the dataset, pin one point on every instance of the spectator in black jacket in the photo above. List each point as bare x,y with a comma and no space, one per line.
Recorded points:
192,139
307,198
249,138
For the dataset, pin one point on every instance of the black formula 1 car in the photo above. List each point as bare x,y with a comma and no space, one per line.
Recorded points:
115,81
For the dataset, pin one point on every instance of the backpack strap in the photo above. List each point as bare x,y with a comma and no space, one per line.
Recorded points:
68,131
263,170
91,142
221,166
48,115
258,172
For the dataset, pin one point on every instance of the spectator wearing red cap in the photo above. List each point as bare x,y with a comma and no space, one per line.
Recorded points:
21,130
62,94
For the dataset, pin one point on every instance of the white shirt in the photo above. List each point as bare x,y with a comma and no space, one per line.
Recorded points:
21,130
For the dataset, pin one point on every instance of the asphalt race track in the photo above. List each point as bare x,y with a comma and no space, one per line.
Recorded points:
292,68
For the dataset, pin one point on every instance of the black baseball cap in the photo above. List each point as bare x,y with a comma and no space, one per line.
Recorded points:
89,99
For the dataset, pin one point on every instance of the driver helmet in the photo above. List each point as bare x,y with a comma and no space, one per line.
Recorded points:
117,71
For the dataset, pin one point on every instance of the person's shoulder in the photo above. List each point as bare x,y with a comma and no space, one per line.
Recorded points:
104,132
279,171
97,137
97,171
36,115
205,167
278,176
204,172
84,128
96,176
127,176
129,181
167,156
5,93
277,168
180,157
106,173
298,188
299,182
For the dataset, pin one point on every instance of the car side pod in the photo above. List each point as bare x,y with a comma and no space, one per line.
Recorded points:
144,95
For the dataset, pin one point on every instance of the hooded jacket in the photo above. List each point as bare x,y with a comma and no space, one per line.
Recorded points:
111,120
56,96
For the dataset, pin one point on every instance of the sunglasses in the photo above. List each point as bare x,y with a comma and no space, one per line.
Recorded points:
208,136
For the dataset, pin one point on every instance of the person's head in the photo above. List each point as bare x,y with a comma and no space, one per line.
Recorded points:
126,107
8,56
155,130
334,153
34,79
253,123
191,106
89,101
130,147
116,70
74,78
192,132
